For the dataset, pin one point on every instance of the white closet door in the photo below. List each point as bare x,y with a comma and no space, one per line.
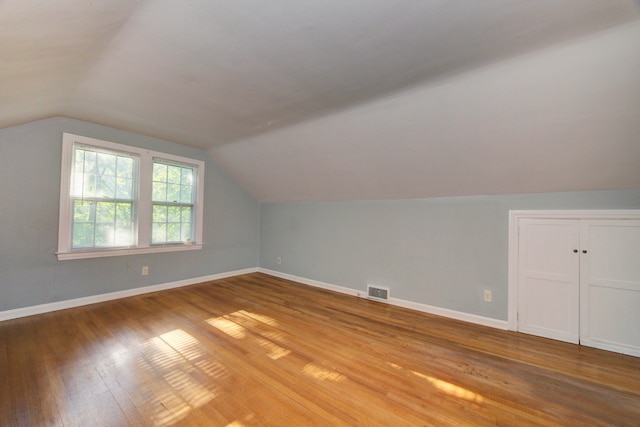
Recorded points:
610,285
548,270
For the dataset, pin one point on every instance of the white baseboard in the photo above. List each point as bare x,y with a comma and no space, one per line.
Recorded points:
310,282
452,314
61,305
445,312
618,348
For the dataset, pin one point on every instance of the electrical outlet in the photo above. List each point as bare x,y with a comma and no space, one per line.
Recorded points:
488,296
145,270
278,260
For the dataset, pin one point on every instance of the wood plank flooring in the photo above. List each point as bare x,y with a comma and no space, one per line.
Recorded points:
257,350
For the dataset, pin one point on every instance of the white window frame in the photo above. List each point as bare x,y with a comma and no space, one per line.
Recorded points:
143,202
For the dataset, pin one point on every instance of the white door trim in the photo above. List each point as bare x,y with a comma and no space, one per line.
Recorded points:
514,241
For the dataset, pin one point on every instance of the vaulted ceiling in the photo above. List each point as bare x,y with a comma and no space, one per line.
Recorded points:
218,73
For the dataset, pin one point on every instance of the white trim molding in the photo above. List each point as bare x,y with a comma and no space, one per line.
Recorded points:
516,215
77,302
425,308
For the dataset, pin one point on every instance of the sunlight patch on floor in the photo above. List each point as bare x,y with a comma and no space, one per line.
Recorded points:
445,386
275,336
170,409
451,389
212,369
190,390
259,317
183,343
235,325
121,358
172,356
159,354
248,420
274,351
322,373
228,327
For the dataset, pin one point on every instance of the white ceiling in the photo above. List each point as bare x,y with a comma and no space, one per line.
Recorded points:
208,73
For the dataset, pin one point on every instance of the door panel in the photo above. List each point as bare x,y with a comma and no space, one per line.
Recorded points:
548,292
610,285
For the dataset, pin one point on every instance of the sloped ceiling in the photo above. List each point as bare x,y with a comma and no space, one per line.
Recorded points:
219,74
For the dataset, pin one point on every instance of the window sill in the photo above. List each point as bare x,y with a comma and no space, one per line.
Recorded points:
62,256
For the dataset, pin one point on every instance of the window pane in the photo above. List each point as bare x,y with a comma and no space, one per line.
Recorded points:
173,193
125,167
123,233
106,186
124,214
78,182
174,174
186,215
79,166
89,162
106,164
95,175
159,213
89,185
124,188
173,214
159,233
159,192
105,212
171,224
159,172
103,234
172,183
123,236
173,232
102,224
186,194
186,232
187,176
82,212
83,235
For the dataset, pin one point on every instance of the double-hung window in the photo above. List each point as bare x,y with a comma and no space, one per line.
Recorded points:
173,202
117,200
103,197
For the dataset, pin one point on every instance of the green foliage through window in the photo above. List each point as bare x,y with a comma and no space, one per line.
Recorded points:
173,197
103,192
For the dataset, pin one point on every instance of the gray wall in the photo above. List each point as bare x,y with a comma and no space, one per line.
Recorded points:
442,252
30,273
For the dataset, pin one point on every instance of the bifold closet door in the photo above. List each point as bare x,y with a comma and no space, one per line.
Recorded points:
610,285
548,278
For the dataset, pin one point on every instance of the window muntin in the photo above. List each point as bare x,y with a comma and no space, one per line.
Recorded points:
110,200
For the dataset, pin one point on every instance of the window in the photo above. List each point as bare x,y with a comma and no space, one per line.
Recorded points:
172,200
118,200
102,198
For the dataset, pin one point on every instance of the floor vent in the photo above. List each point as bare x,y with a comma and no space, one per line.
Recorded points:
377,293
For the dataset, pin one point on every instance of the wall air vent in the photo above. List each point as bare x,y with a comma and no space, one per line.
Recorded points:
377,293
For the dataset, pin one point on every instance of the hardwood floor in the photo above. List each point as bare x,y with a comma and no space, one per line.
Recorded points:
257,350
